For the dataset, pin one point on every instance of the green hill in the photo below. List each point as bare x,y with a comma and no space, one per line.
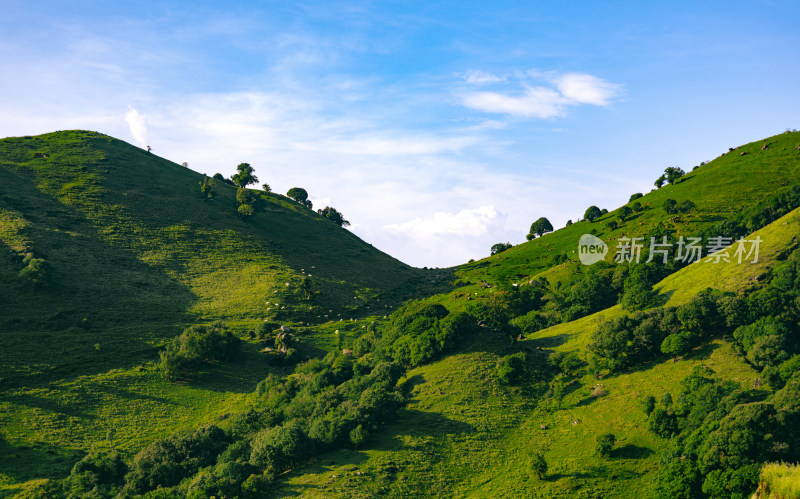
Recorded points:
135,253
111,251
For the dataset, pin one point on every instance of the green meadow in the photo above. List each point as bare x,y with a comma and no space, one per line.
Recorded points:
131,254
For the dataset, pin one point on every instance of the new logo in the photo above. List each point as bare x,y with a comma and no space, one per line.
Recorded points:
591,249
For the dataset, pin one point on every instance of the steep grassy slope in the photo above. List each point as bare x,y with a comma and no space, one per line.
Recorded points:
134,256
484,443
719,189
134,252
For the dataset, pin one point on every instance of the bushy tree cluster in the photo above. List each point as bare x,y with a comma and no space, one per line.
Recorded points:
207,188
636,338
539,228
244,175
500,247
592,213
220,178
326,403
248,201
769,335
165,462
197,344
334,216
673,207
721,436
37,271
301,196
418,333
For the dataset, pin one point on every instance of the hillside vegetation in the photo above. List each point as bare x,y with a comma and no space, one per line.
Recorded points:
523,374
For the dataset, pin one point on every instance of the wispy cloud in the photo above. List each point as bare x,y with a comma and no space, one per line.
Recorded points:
137,123
537,102
482,78
581,88
543,101
473,223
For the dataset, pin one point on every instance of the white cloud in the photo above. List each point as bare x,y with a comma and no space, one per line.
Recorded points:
587,89
570,89
472,223
137,123
537,102
482,78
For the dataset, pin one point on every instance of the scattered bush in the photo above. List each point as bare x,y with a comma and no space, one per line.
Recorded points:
670,206
500,247
37,271
604,444
511,369
592,213
539,228
334,216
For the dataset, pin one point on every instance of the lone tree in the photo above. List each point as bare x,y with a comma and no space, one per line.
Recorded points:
625,212
673,173
500,247
266,188
660,181
592,213
539,465
245,176
298,194
539,228
670,206
334,216
605,443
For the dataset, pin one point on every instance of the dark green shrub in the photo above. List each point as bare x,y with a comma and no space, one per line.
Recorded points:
280,448
512,369
37,271
604,444
166,462
99,469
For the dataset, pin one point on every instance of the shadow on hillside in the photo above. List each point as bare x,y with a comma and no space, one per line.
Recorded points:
548,341
130,395
631,451
237,376
342,464
598,471
703,352
332,464
103,304
49,405
429,424
663,298
28,462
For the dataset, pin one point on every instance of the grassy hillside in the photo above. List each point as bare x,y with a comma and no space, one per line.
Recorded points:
719,189
133,254
484,444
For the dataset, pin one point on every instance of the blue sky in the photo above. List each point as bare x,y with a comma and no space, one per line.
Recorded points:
438,129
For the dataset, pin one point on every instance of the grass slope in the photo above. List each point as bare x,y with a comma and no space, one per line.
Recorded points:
486,434
719,189
135,256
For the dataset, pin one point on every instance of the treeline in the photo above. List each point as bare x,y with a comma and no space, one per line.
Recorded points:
328,403
764,326
721,435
